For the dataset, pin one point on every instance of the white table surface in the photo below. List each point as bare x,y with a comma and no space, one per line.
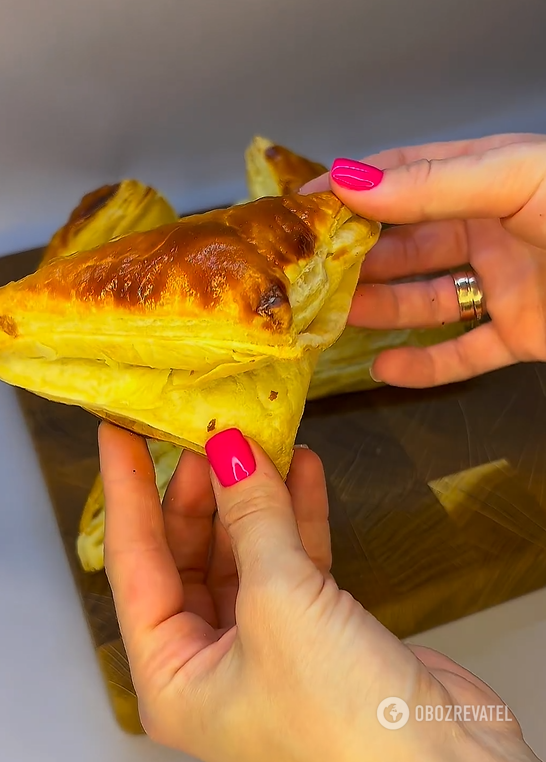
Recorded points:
53,705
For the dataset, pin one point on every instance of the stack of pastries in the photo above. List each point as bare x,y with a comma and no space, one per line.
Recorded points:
179,327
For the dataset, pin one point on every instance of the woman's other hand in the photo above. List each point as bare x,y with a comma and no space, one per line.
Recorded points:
480,202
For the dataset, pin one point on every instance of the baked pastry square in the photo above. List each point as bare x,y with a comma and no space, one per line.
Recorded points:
214,321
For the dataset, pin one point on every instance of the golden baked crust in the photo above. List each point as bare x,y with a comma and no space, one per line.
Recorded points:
273,170
214,321
108,212
345,365
246,279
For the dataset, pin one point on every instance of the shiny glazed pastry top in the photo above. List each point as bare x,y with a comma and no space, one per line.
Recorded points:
213,321
244,279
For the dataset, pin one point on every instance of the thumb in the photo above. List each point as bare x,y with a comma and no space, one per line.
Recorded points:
506,183
255,507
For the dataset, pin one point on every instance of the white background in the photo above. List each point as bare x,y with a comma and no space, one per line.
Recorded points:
171,92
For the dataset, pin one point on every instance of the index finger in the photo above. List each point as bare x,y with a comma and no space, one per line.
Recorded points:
142,573
306,483
397,157
506,183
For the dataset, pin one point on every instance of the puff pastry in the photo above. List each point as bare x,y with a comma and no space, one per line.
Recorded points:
106,213
214,321
345,366
272,170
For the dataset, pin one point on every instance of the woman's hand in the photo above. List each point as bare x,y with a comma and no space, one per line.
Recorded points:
242,648
480,202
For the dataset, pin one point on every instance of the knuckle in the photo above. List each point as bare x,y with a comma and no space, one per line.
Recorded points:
420,171
249,503
420,174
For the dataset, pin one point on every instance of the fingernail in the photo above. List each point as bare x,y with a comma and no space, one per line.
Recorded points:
301,446
230,456
354,175
374,378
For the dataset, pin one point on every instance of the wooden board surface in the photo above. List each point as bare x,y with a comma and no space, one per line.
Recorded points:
438,500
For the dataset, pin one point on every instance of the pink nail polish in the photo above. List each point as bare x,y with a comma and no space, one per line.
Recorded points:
354,175
230,456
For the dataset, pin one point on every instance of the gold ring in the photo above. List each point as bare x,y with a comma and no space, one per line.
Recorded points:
469,295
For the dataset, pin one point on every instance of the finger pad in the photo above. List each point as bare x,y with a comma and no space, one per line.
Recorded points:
122,453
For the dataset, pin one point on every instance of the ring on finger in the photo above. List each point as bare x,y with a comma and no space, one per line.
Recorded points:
470,296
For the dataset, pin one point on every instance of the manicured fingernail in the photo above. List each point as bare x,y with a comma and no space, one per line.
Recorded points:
354,175
230,456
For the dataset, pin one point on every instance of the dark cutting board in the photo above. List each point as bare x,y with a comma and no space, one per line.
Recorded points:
438,500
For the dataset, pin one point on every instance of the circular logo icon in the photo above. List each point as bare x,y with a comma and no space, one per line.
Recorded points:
393,713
